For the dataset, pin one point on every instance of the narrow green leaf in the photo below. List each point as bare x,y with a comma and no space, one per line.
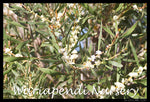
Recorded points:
94,73
90,48
86,18
56,7
129,60
146,93
21,45
100,36
50,71
42,32
130,30
108,31
143,81
7,71
117,64
37,23
134,53
119,8
11,58
17,24
116,27
49,60
15,73
109,67
84,36
11,38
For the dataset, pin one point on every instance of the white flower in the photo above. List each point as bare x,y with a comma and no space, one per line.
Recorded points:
57,34
65,53
119,85
35,15
61,50
89,21
91,5
82,12
70,62
74,51
102,96
88,64
145,67
43,18
122,81
135,7
73,28
19,4
140,70
74,32
94,33
130,79
114,23
71,40
98,52
7,50
74,56
115,17
92,58
108,45
133,74
78,20
60,43
134,35
65,56
18,55
142,53
70,5
6,4
58,24
53,20
59,15
112,88
78,28
140,10
97,62
72,45
75,37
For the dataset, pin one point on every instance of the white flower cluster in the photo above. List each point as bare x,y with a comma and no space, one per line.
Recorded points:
70,5
136,8
117,20
88,64
139,72
19,4
115,17
6,10
142,53
118,86
9,52
42,18
18,55
70,58
55,21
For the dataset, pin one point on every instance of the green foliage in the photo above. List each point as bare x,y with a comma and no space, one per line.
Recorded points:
68,46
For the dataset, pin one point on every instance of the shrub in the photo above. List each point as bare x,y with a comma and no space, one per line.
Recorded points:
60,47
